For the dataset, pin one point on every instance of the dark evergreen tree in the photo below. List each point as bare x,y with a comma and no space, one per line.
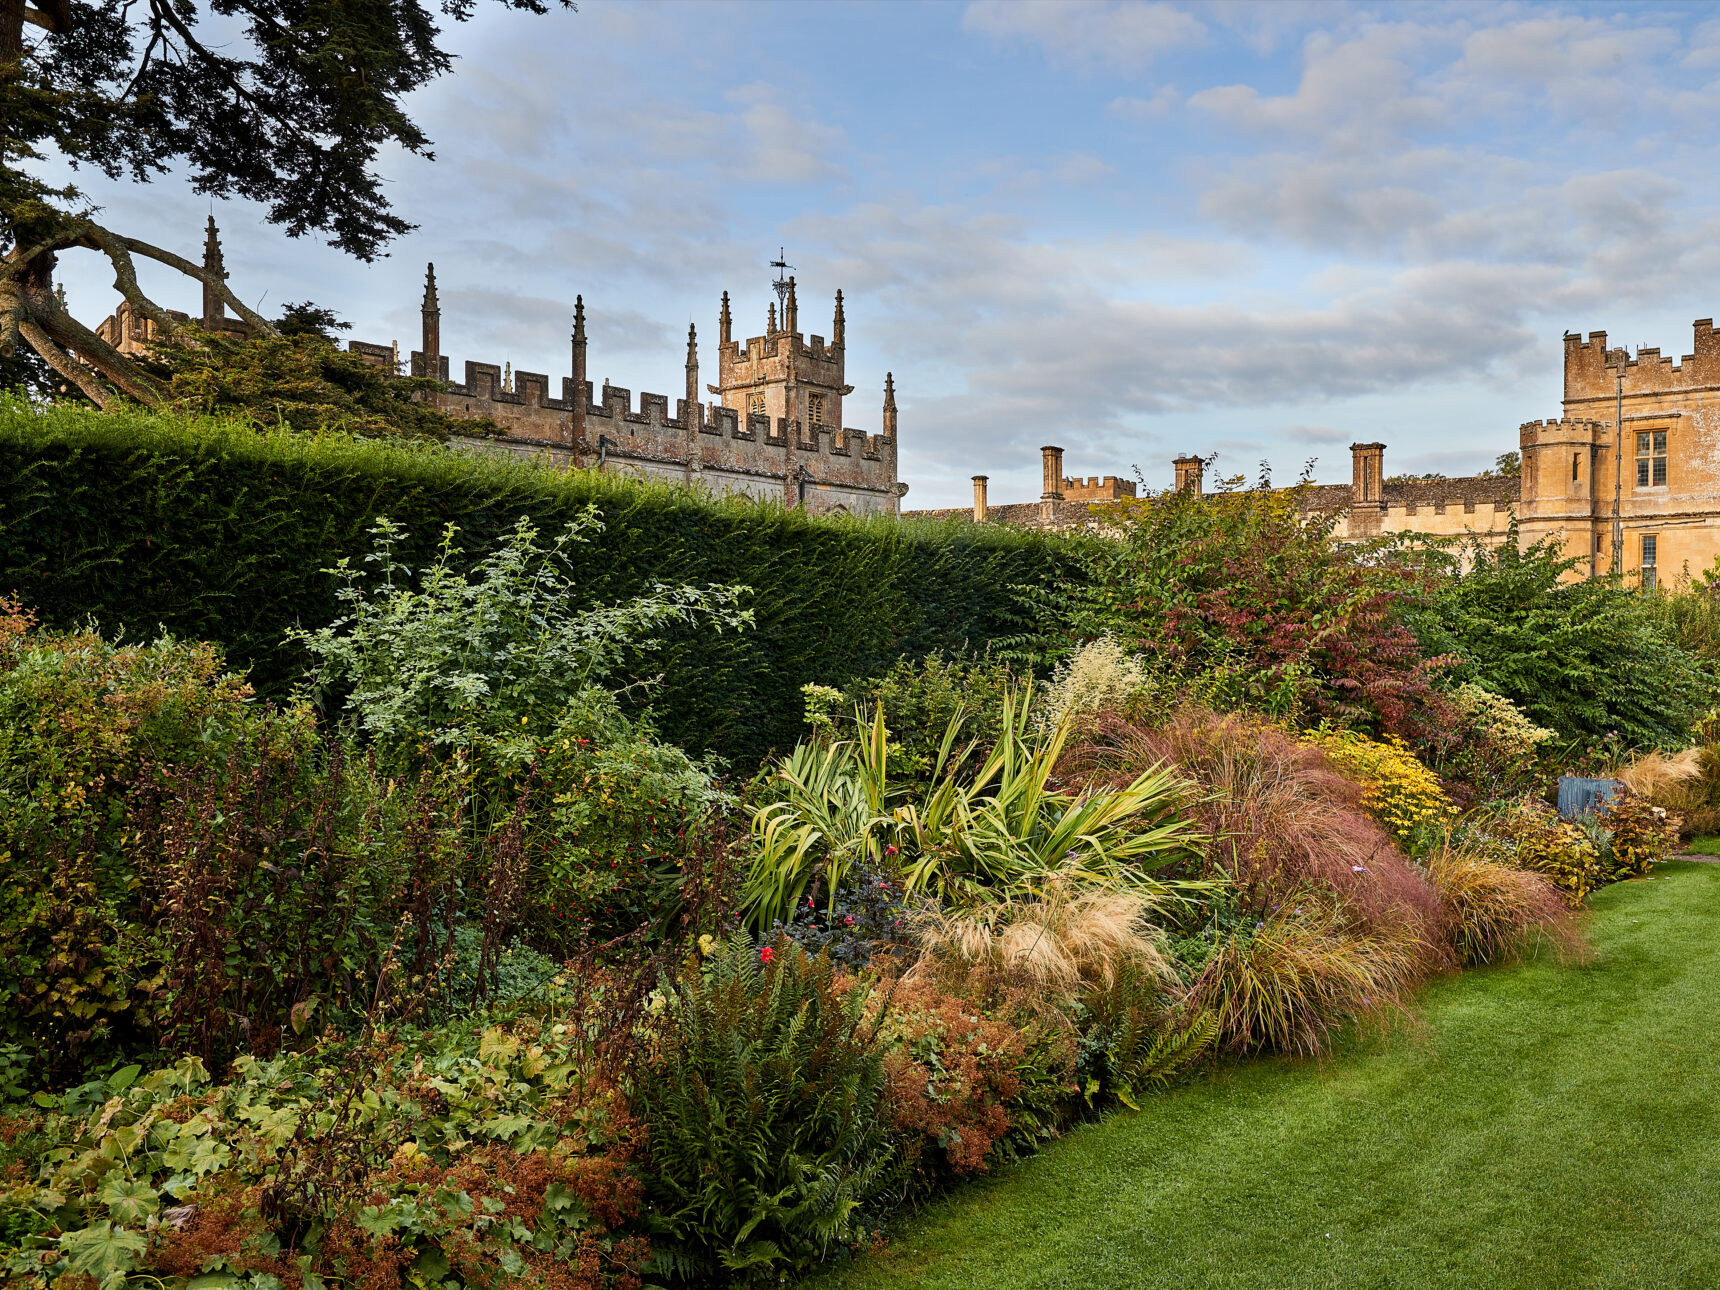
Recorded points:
288,107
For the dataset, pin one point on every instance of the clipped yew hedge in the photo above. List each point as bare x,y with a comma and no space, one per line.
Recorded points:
212,530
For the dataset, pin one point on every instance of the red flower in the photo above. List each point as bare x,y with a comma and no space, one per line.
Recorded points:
766,954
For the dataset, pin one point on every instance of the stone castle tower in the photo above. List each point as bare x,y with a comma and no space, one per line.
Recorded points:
1660,460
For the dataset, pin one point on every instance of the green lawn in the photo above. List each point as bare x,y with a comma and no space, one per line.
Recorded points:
1548,1127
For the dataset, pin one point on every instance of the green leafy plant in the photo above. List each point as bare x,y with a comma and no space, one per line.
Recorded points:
301,380
1527,834
762,1110
485,662
1642,835
1246,589
217,531
470,1156
1004,831
1581,657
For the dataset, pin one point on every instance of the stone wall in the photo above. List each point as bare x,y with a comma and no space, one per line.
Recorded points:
1572,466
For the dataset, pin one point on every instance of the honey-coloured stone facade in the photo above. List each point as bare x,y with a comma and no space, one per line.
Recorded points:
1667,478
1664,415
776,431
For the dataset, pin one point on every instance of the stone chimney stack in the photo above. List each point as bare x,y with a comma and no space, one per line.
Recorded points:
580,397
213,308
979,482
725,324
1367,478
1052,461
431,312
1189,471
889,406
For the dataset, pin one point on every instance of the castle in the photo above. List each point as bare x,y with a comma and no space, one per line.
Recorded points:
1666,478
776,430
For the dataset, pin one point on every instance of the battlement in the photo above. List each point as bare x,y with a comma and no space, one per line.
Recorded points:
757,348
1095,488
1563,430
529,411
1588,375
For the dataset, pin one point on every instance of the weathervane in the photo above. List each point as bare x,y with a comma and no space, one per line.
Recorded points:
782,266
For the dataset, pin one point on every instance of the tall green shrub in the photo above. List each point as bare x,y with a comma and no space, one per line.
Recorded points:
1585,658
218,532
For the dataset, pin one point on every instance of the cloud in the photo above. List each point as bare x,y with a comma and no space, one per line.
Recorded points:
1316,434
1704,48
1366,224
1163,100
1087,33
1351,91
784,147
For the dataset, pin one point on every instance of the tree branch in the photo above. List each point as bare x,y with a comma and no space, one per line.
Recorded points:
63,363
172,261
112,364
54,16
125,279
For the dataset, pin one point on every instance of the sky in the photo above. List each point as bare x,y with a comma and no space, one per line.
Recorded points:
1262,231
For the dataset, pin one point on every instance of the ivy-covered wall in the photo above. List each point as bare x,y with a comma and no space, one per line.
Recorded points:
212,530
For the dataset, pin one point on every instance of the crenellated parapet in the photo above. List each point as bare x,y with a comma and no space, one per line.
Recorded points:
1591,369
775,431
1561,430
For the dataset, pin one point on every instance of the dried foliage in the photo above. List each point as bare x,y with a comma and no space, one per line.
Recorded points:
1291,981
1657,772
1056,943
1496,912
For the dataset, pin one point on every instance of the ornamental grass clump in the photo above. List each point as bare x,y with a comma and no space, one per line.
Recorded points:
1290,981
1278,816
1053,944
1497,912
1686,785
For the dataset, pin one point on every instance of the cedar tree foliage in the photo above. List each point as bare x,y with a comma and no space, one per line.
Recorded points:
287,104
